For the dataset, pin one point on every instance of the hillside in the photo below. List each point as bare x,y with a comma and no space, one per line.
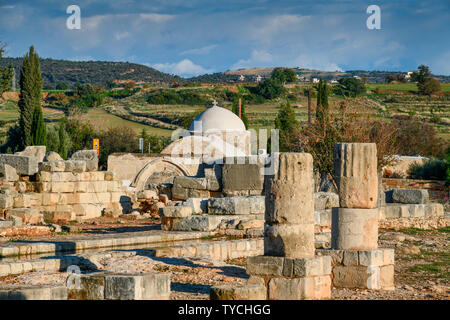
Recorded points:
250,75
94,72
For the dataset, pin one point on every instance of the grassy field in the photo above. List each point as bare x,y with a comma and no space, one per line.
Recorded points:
99,118
445,87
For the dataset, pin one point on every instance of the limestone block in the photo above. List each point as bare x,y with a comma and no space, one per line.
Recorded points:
62,186
325,200
176,212
387,277
81,186
87,210
23,200
416,210
265,266
198,205
371,257
52,156
86,287
90,156
237,205
241,292
24,165
59,216
98,186
49,199
355,167
190,183
53,166
44,176
195,223
244,173
28,215
38,152
293,241
300,288
388,256
146,195
409,196
186,193
112,186
356,277
6,201
354,229
75,166
137,287
8,173
394,210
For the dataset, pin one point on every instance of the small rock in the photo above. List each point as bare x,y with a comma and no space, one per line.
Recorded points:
409,249
71,229
52,156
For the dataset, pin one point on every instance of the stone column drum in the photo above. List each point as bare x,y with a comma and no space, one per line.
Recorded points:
355,168
289,226
355,223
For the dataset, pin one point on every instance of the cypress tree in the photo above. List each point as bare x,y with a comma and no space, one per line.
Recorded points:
38,129
322,103
30,99
287,125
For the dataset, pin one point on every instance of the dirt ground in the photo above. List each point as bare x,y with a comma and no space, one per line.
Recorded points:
422,260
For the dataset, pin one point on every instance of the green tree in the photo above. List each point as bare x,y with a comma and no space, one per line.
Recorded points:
284,75
6,74
429,86
287,125
351,87
270,88
235,110
322,103
420,75
61,86
38,129
30,98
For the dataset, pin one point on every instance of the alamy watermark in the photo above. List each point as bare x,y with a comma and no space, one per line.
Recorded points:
74,20
374,20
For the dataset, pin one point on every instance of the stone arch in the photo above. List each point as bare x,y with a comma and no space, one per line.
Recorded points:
157,165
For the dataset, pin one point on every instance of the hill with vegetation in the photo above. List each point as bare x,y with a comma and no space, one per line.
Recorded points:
93,72
250,75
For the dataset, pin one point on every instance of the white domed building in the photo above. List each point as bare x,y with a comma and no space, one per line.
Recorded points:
214,134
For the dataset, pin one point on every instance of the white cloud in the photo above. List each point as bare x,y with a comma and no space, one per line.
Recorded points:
183,68
202,50
121,35
315,61
257,58
156,17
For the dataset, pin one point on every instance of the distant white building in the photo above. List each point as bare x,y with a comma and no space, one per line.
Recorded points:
241,78
357,77
333,81
408,75
258,78
315,80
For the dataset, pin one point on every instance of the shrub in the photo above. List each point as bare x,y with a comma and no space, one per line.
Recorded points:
432,169
118,139
416,137
270,88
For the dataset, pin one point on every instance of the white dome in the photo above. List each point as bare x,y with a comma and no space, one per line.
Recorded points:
217,118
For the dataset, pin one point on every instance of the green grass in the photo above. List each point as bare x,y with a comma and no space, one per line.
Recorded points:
104,120
445,87
414,231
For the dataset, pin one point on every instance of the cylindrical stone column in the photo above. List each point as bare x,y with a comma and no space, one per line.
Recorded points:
355,223
289,218
355,168
354,229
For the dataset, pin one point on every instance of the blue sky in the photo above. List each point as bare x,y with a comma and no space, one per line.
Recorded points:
203,36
